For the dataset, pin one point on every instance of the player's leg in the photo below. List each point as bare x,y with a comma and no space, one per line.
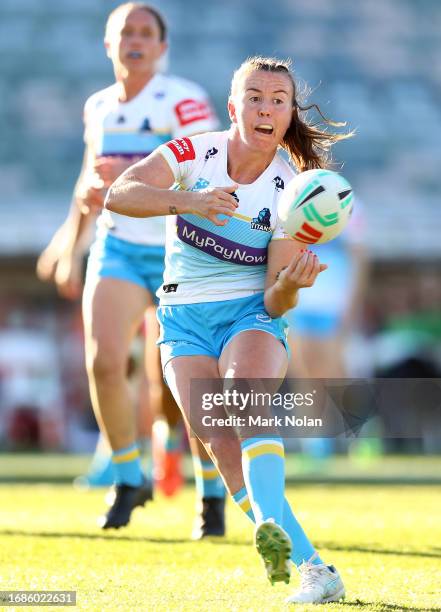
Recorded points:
142,401
112,312
323,357
210,490
320,582
100,472
223,447
318,353
166,416
254,355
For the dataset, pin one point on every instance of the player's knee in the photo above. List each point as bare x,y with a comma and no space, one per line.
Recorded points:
104,365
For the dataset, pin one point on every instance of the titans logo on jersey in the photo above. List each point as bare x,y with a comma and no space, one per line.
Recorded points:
262,221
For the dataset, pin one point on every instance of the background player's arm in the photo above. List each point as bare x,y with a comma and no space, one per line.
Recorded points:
143,190
61,260
290,268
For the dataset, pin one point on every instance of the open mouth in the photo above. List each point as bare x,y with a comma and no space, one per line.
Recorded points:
134,55
264,128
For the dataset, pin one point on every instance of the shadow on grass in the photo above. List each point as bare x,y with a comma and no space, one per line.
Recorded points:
213,540
109,536
385,607
89,536
435,553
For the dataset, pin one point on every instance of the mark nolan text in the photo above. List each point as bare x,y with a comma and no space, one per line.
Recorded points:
260,421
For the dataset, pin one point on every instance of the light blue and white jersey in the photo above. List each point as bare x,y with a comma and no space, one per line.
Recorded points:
168,107
205,262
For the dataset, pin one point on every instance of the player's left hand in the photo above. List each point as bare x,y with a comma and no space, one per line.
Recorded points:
301,272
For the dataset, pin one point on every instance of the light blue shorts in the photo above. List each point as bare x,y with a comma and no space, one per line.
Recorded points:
137,263
206,328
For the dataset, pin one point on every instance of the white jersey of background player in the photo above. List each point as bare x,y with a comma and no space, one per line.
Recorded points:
168,107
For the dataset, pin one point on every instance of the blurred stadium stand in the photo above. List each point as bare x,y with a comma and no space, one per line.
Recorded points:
370,63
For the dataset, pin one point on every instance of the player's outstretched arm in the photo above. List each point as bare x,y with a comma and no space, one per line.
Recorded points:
143,190
290,267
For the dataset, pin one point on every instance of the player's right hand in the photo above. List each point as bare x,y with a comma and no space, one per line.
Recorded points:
90,199
68,276
90,195
214,201
47,264
302,271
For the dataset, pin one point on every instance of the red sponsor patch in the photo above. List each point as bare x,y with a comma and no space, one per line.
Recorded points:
182,149
189,111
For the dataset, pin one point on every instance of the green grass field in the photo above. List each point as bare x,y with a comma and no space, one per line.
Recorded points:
385,540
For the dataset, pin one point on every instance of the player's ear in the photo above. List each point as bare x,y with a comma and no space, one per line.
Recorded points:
163,47
231,110
107,47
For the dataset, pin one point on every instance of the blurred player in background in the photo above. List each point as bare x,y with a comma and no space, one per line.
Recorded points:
230,275
327,315
124,123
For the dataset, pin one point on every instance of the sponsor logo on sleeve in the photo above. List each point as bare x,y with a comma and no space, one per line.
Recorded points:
189,111
170,288
182,149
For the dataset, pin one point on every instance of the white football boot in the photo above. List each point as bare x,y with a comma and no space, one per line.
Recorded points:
319,584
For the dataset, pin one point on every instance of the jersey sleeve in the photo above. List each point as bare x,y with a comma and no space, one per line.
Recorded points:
193,112
279,233
180,154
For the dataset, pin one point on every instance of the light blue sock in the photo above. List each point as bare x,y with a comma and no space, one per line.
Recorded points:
207,479
302,549
263,464
127,466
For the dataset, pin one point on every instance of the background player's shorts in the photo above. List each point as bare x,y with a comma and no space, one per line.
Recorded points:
315,324
206,328
136,263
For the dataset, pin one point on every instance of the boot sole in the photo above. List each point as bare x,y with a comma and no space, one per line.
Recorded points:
274,546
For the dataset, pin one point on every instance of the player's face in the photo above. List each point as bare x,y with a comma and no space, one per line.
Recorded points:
261,107
134,42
